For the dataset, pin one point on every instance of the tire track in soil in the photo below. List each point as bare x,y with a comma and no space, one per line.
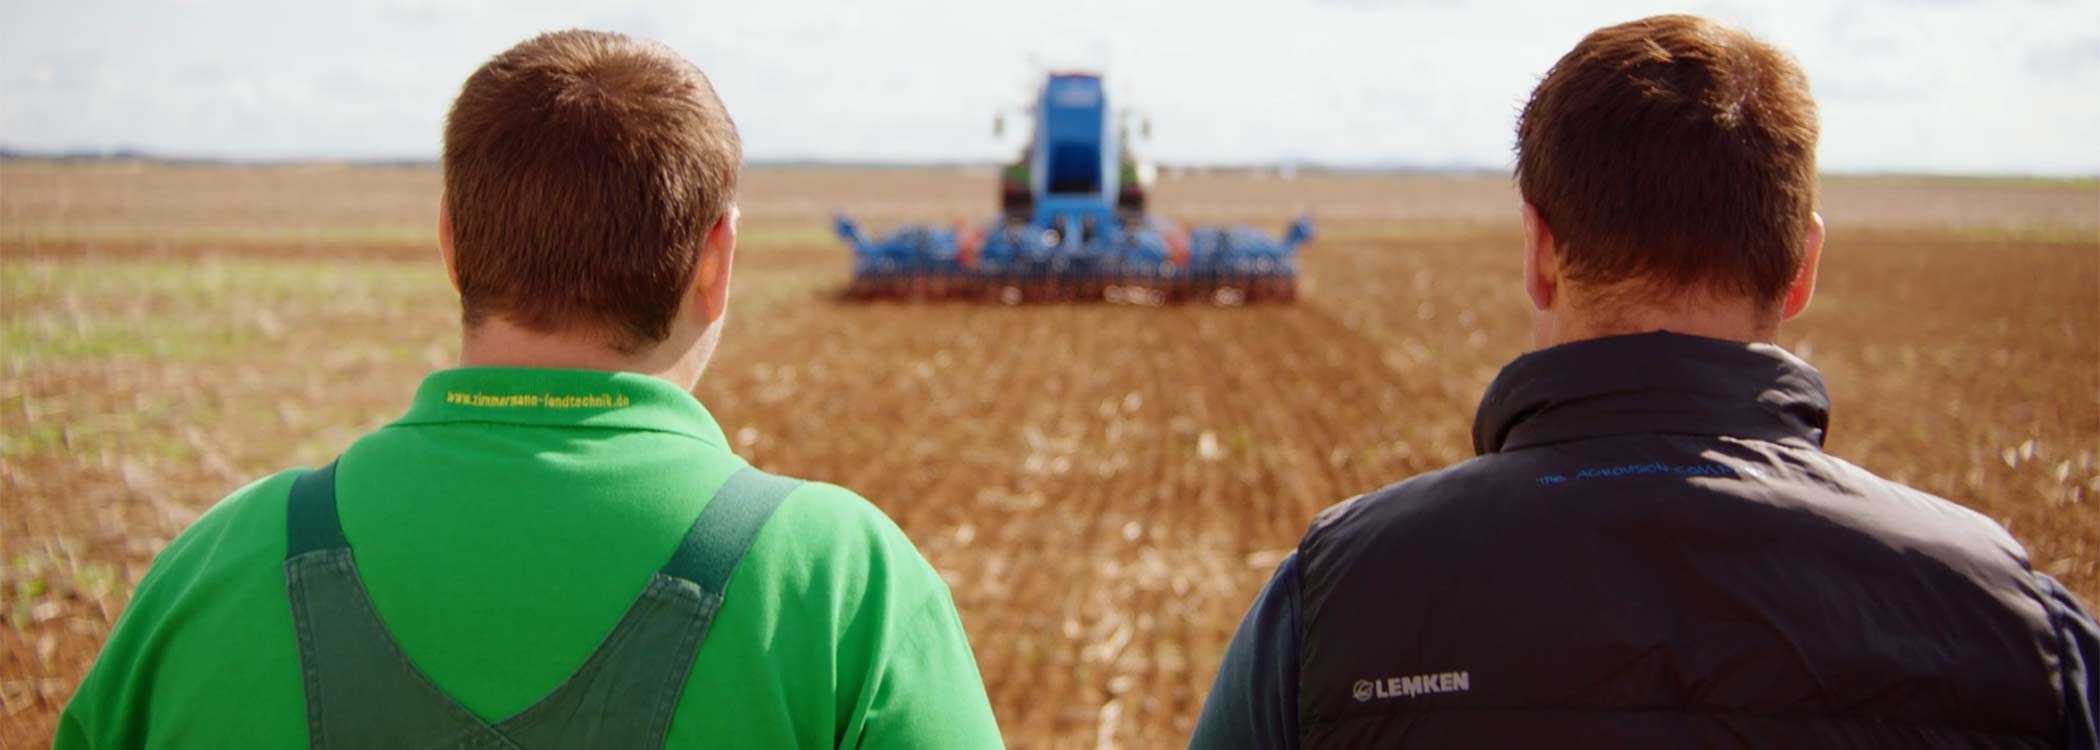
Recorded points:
1032,502
1089,628
1140,692
1211,586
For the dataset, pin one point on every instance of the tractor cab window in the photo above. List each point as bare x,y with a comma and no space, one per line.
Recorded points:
1074,169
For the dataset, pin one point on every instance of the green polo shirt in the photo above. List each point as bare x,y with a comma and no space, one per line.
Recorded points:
502,527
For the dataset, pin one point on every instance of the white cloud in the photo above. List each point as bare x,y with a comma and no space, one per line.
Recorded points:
1929,86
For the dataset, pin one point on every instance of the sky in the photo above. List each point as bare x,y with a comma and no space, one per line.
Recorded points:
1927,86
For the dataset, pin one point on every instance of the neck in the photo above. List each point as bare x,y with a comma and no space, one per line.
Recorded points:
496,342
1592,318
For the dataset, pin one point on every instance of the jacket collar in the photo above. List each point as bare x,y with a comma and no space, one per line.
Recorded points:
1652,383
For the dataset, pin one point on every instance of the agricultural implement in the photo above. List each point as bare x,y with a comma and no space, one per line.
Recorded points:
1073,227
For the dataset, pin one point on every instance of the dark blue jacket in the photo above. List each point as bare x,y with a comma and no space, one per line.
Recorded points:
1652,550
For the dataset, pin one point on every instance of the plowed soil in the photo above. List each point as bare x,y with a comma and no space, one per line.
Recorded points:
1104,487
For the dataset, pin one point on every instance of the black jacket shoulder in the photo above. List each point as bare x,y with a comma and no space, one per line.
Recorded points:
1667,590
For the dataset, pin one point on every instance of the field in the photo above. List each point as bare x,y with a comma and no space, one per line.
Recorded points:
1104,487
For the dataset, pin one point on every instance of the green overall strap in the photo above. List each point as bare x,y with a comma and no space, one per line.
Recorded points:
362,691
310,520
718,540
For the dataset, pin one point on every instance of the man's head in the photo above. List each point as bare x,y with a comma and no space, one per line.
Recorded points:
590,185
1668,169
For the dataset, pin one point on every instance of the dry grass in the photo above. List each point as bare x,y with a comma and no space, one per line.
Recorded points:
1103,487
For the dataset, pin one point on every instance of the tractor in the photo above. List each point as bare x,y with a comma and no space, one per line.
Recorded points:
1073,226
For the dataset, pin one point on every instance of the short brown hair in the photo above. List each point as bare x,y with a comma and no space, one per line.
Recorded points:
1675,151
583,171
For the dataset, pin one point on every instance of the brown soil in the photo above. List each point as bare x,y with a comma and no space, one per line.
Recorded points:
1104,487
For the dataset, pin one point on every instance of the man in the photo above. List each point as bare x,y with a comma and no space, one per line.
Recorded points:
554,547
1651,549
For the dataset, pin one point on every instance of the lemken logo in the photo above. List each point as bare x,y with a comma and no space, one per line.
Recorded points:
1075,94
1409,687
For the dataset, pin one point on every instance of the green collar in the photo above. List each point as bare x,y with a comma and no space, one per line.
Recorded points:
561,398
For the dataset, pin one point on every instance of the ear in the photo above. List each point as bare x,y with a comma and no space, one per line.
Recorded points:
711,277
445,244
1804,286
1541,259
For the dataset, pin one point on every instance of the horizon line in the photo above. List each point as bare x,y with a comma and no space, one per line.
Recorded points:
130,155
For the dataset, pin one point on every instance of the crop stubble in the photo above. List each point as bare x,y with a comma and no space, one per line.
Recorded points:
1104,487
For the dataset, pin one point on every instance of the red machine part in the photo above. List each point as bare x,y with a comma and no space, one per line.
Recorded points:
1177,244
971,239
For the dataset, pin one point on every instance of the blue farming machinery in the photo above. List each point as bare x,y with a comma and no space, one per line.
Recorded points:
1073,227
